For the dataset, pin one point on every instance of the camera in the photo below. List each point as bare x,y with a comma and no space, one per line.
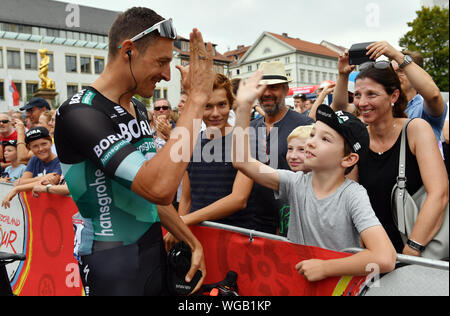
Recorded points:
358,53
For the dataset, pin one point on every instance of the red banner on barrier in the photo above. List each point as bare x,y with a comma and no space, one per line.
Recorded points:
42,228
50,268
267,267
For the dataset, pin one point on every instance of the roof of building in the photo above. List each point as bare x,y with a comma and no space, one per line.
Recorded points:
53,14
305,46
235,55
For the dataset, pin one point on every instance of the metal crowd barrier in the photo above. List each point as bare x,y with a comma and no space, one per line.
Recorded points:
424,262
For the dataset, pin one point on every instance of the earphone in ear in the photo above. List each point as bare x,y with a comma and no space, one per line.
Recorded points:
129,53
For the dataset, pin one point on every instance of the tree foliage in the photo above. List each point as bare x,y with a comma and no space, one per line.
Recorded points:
430,37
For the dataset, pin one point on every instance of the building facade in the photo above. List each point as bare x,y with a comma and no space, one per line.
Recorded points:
306,63
76,38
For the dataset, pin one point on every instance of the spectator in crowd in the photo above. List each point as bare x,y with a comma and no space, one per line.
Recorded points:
424,97
43,166
381,101
44,120
270,140
213,190
34,109
162,122
183,100
328,210
15,171
300,103
296,148
7,133
308,105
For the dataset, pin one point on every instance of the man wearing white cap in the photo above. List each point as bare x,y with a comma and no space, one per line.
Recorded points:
272,132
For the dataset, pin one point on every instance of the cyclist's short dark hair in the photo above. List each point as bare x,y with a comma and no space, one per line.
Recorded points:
130,23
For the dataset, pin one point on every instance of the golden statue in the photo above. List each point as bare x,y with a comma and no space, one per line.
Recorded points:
46,83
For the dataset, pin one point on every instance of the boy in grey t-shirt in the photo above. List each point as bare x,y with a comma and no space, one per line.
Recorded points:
327,210
316,222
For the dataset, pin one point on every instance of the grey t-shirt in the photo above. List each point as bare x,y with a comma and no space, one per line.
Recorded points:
335,222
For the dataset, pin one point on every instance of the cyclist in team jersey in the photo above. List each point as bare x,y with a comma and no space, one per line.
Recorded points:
109,159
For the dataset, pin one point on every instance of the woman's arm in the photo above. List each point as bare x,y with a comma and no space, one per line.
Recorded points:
434,176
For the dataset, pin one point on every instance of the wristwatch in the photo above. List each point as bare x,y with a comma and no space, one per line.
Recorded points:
48,187
416,246
408,60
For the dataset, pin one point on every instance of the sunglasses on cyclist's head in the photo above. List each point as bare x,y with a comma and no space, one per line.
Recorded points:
162,108
381,65
5,121
164,28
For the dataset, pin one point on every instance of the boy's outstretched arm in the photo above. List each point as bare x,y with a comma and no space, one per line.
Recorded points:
248,92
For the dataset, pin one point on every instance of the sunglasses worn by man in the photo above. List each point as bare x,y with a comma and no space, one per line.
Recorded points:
162,108
164,28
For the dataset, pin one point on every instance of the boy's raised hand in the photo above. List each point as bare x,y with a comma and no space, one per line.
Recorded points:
249,91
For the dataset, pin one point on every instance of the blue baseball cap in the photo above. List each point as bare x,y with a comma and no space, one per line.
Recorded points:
39,102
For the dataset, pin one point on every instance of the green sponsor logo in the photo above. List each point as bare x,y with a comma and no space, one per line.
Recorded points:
88,98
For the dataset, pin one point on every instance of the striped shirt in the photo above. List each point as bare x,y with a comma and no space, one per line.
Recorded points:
211,174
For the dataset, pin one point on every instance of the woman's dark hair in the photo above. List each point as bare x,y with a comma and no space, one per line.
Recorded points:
130,23
390,81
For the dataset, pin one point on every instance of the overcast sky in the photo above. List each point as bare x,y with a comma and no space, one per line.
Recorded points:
241,22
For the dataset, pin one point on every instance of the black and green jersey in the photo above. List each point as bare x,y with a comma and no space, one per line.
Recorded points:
101,148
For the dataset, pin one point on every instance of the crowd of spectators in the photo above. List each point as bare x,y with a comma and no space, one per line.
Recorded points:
298,167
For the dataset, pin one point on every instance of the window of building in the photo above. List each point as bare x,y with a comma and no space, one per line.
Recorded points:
302,75
301,60
71,63
310,76
287,60
308,60
13,57
25,29
72,89
31,87
1,57
85,65
99,65
165,93
31,61
51,66
250,68
325,77
2,91
53,32
238,71
185,46
317,76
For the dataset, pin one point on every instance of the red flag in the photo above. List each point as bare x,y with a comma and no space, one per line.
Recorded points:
15,94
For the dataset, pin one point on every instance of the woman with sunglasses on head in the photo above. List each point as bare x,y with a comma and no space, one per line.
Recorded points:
382,103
